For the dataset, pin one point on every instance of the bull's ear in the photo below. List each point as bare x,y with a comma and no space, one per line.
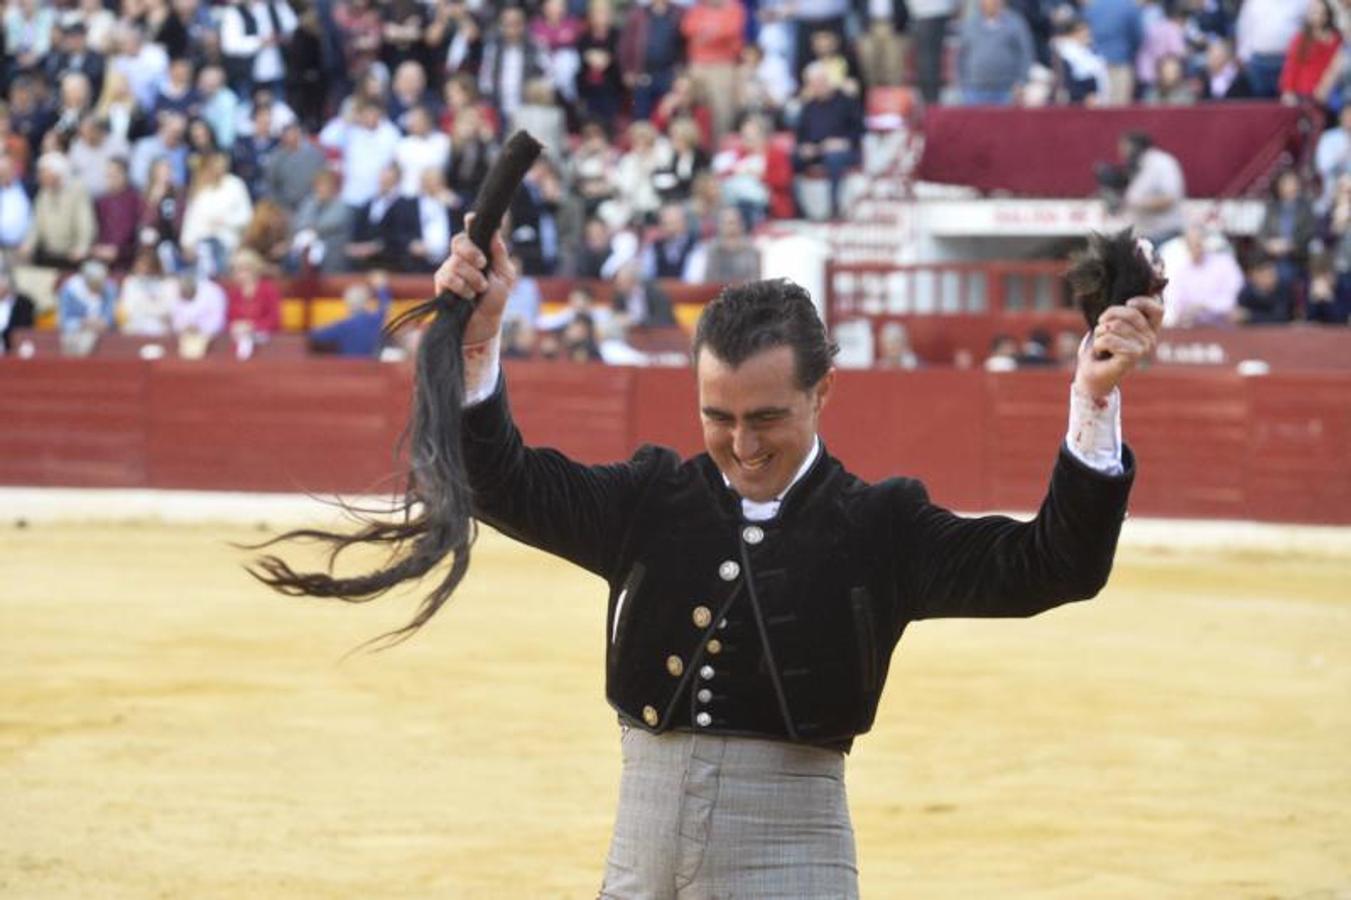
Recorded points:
1110,271
1090,278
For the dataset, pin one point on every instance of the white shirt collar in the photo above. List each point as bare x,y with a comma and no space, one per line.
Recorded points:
763,511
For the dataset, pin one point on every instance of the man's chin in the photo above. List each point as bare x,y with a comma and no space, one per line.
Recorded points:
757,490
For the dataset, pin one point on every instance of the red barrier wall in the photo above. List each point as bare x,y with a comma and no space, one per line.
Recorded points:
1210,444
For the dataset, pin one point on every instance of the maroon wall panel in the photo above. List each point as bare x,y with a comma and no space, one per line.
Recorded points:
283,426
666,410
581,410
925,424
1299,448
1209,443
1189,430
75,422
1026,414
1223,147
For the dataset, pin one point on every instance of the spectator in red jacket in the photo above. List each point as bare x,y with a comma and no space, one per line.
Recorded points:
1309,71
685,99
255,301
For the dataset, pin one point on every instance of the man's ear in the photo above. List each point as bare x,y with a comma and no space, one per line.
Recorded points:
821,392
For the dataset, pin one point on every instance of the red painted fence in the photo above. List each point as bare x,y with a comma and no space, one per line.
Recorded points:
1210,444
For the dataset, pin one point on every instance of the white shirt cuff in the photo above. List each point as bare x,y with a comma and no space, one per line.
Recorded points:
482,365
1094,435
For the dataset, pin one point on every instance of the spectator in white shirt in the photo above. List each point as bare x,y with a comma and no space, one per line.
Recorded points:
421,149
1204,280
1332,159
90,153
28,33
525,300
16,312
434,220
16,209
648,154
368,142
99,24
218,210
765,83
146,301
144,63
253,38
1153,198
199,305
1085,71
280,114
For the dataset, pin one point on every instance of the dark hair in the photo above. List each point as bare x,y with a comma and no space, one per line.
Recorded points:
1281,176
1261,260
749,318
1306,35
1139,141
1109,272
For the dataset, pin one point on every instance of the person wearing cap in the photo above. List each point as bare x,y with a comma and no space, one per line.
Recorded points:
63,218
74,55
88,300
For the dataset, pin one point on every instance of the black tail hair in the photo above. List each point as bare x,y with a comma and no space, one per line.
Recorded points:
432,519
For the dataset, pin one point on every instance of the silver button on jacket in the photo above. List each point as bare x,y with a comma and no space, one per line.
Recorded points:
729,570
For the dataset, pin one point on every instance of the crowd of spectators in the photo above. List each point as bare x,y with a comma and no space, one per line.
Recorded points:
154,149
1297,52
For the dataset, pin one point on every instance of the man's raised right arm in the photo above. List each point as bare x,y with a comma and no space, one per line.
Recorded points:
537,496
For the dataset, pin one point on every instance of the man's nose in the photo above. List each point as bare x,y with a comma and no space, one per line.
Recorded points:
744,443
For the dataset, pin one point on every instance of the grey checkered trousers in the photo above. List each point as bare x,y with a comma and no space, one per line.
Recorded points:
709,817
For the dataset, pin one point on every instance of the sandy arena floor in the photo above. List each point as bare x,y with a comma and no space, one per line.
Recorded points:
170,730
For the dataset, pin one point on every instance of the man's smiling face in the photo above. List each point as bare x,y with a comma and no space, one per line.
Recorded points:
759,424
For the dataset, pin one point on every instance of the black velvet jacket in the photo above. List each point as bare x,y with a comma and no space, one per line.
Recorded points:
781,629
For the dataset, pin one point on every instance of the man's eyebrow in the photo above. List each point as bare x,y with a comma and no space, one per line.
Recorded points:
767,412
764,412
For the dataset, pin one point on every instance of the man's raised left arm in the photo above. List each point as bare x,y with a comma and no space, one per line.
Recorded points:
998,566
